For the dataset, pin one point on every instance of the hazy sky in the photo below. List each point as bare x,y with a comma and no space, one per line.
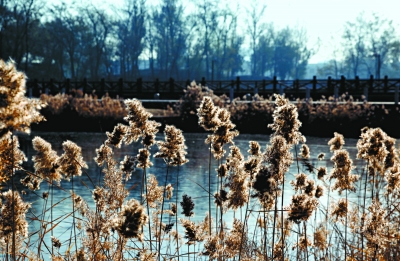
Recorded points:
322,19
325,19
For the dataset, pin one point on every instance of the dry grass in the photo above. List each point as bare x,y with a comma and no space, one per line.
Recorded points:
251,186
90,106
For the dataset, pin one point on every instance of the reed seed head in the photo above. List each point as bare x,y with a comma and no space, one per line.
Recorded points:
336,142
319,191
154,193
11,156
222,170
131,219
187,205
300,181
55,242
301,207
321,173
173,149
207,114
378,148
339,209
45,161
304,151
115,138
143,159
255,149
12,204
17,112
342,168
320,237
127,166
104,153
286,123
278,157
71,161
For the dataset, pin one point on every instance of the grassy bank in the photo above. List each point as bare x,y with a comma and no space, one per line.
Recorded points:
321,119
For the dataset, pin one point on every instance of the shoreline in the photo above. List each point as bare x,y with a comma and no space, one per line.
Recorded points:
71,121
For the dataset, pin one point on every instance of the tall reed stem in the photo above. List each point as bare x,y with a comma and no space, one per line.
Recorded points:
73,214
305,237
209,191
244,223
148,208
265,236
162,211
13,251
51,214
41,235
221,208
345,231
362,220
273,227
282,224
176,214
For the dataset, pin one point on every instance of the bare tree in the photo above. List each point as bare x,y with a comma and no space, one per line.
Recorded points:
302,53
283,53
369,42
255,29
226,45
131,34
171,36
17,19
206,27
354,43
100,29
69,31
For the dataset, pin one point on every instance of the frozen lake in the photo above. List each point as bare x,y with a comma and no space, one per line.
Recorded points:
191,174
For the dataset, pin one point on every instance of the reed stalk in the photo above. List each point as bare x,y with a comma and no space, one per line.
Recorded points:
282,224
209,190
345,232
13,250
176,214
147,208
162,211
73,214
363,214
274,225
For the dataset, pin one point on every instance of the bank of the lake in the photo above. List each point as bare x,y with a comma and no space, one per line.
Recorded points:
71,121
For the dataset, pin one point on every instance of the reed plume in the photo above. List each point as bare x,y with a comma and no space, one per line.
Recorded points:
17,112
140,125
154,194
377,148
187,205
208,114
11,157
286,123
301,207
337,142
116,137
237,180
343,166
71,161
130,220
45,161
375,229
173,149
13,223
